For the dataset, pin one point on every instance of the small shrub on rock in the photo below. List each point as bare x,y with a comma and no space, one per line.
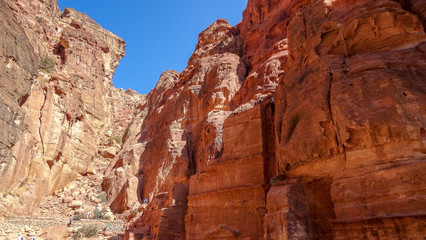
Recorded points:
117,139
89,231
103,198
78,216
76,235
86,232
47,65
97,213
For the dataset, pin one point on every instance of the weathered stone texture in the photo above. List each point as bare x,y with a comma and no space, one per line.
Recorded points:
304,121
57,98
234,186
287,213
344,129
349,105
17,72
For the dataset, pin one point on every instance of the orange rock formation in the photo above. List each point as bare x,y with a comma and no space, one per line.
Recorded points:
305,121
57,99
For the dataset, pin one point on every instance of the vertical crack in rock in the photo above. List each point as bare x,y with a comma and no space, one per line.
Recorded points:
190,155
345,47
339,143
343,41
318,195
40,119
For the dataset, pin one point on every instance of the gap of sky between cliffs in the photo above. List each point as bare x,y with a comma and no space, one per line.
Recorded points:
160,34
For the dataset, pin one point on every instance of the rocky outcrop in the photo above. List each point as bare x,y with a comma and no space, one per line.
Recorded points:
59,102
188,131
17,73
227,199
55,233
349,119
305,121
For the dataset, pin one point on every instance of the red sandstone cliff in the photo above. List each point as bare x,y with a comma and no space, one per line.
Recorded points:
58,105
304,121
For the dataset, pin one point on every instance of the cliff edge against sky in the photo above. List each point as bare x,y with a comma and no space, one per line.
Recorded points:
304,121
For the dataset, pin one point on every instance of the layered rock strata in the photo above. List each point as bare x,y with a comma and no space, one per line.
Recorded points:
227,199
304,121
17,73
57,98
360,131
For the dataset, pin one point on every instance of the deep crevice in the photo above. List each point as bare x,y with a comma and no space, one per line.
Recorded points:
292,127
408,6
268,130
40,119
23,99
191,159
59,50
336,127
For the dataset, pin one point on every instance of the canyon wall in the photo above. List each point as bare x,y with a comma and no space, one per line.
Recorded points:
58,102
304,121
350,118
17,73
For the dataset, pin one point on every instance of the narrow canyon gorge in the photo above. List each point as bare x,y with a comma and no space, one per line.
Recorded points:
307,120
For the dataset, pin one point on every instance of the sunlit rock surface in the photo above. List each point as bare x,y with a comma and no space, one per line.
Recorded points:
58,102
317,131
304,121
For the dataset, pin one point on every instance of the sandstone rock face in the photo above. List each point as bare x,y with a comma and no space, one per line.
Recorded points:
125,104
188,131
348,116
17,72
55,233
305,121
228,198
122,177
58,102
287,216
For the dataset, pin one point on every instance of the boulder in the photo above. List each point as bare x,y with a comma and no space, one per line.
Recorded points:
55,233
67,199
75,204
109,152
91,170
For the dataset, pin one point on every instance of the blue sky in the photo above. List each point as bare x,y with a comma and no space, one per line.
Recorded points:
160,34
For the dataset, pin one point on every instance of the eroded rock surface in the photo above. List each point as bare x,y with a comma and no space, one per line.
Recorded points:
17,73
304,121
349,110
58,102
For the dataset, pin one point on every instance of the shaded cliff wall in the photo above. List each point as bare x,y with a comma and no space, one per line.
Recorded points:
305,121
349,117
60,99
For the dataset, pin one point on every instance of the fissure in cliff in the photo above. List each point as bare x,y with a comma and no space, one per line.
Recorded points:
40,119
215,156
